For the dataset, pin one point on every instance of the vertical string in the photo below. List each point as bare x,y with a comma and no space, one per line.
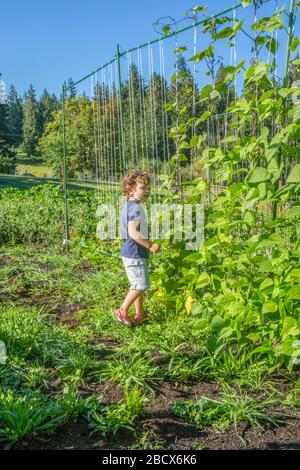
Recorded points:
162,78
95,135
178,185
193,151
112,106
165,102
133,107
152,117
110,129
99,129
119,161
140,103
143,99
104,127
156,162
130,111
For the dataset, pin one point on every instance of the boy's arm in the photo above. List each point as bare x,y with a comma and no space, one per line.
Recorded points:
136,235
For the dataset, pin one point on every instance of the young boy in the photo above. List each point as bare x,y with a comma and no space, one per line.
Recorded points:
136,246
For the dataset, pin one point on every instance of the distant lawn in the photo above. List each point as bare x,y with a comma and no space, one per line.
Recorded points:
40,171
26,182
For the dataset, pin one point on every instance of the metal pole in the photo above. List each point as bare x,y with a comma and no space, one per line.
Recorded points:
66,239
292,15
122,140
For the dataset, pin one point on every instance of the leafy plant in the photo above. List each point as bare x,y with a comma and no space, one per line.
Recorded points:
233,407
27,416
112,418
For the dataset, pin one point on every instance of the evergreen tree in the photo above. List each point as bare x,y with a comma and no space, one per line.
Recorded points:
7,160
156,124
30,123
47,105
15,117
133,92
71,92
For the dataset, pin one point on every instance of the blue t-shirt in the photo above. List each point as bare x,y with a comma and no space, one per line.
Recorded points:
132,210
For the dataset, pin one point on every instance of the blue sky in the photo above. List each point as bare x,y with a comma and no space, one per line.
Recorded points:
45,42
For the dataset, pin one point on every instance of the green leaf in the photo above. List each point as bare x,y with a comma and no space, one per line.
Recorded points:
198,8
246,3
249,218
290,327
293,213
266,284
203,280
284,92
214,95
224,33
296,112
269,24
272,45
228,69
226,332
249,72
295,43
294,293
212,343
294,273
259,175
256,73
180,49
203,117
205,92
193,257
294,176
229,140
237,26
261,40
209,52
166,30
217,324
194,141
269,307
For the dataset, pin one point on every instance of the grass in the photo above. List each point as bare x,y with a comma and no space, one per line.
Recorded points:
231,408
65,348
26,182
40,171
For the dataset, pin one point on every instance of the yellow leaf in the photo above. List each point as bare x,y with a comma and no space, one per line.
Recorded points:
188,304
159,292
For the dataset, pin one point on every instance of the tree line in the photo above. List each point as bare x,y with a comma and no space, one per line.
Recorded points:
152,113
23,121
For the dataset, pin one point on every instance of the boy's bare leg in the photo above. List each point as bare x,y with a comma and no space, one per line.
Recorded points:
139,309
130,299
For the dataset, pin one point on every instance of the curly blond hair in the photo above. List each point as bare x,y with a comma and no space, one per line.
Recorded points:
131,180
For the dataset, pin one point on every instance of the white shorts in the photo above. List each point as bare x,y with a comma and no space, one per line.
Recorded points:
137,272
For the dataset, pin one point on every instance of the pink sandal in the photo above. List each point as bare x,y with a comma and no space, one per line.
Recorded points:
139,319
122,316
